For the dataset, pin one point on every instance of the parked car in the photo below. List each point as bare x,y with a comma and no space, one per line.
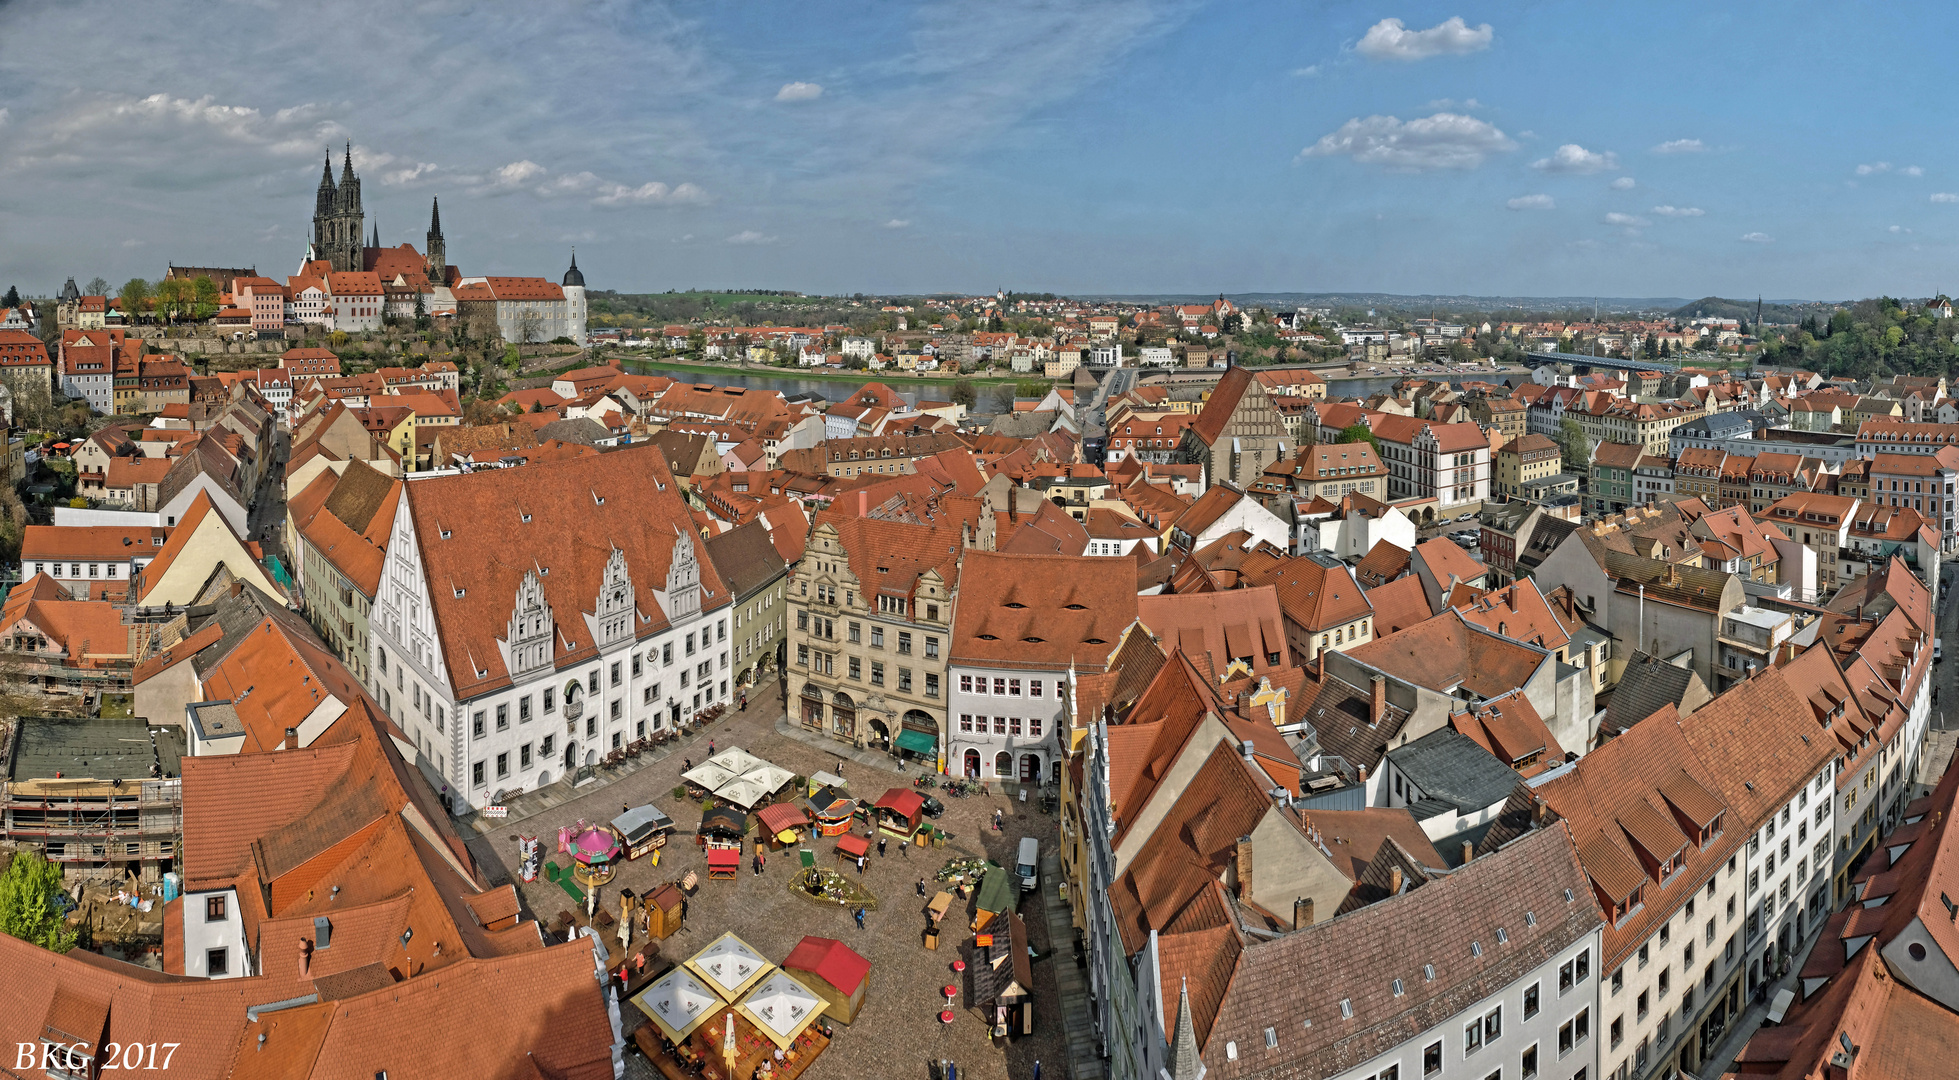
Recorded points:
933,807
1465,515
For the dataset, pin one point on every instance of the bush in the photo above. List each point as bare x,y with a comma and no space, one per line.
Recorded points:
562,340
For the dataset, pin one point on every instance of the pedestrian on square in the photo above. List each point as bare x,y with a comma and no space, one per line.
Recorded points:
998,816
710,748
755,863
860,918
921,886
860,866
686,764
880,846
1037,1069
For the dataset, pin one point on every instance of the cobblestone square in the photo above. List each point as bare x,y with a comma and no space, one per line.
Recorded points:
898,1031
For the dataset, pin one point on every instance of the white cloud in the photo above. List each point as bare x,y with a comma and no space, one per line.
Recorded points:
1443,141
1573,158
1680,146
799,91
1873,168
1900,229
650,192
3,117
1945,196
1912,170
411,174
1452,103
896,223
1624,183
1758,238
1390,39
1532,202
1679,211
132,242
518,172
1630,221
1306,72
750,236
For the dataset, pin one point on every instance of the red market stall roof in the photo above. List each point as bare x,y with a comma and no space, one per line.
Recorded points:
853,844
904,800
830,960
779,817
717,858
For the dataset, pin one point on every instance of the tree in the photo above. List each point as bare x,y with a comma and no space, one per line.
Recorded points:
1572,443
529,325
26,908
134,295
1359,433
964,394
170,298
13,297
1004,399
96,287
204,294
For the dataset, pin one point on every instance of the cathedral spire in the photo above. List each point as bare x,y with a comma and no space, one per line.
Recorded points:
435,216
437,258
347,164
326,172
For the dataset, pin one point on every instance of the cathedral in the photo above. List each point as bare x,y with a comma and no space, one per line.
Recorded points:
339,223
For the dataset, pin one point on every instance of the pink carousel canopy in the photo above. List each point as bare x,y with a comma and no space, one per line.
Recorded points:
593,845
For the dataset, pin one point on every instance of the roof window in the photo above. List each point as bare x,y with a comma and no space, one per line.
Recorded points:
1475,948
1346,1008
1428,972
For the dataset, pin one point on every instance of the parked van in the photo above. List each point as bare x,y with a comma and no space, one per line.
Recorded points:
1027,866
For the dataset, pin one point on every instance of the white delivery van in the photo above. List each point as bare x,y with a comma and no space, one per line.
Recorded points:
1027,866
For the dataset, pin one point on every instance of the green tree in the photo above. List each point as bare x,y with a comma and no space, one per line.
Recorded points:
1033,388
170,296
1359,433
204,295
1572,443
26,910
134,295
13,297
963,393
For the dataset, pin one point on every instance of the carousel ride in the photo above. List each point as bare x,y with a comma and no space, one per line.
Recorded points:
595,850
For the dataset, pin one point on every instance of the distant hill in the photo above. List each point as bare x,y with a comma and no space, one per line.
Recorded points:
1715,307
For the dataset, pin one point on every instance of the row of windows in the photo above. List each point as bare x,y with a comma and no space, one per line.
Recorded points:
75,569
1006,686
1002,725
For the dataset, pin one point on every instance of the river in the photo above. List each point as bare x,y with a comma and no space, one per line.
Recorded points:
911,388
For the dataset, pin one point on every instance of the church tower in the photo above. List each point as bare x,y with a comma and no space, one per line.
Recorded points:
338,233
438,258
574,286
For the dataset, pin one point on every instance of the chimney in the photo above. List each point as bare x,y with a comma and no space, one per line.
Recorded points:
863,502
1379,707
322,930
1468,851
1394,881
1363,774
305,959
1245,748
1302,913
1245,867
292,738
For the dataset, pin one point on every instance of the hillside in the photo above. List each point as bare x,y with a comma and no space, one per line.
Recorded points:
1715,307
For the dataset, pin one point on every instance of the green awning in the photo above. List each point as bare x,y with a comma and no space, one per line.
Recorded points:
918,742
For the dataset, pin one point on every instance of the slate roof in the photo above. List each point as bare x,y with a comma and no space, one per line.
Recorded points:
1452,767
1648,685
746,558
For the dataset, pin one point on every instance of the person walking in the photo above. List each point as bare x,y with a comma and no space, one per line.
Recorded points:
921,886
880,846
755,863
710,748
860,866
860,918
1037,1069
998,817
686,764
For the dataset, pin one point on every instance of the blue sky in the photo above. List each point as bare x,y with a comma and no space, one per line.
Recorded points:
1106,146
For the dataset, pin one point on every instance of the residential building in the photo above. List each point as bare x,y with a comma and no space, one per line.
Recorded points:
1822,524
79,557
1449,463
1328,471
566,592
1611,489
1522,460
757,579
1026,626
873,610
1922,482
1652,479
340,524
1506,416
1324,607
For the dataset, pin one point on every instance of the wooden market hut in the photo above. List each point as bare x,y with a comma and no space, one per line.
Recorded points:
899,812
782,823
1003,978
663,911
834,971
834,809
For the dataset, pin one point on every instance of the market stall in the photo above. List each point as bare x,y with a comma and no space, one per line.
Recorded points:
729,965
834,971
781,1008
722,831
853,846
899,812
663,917
737,776
834,809
643,829
997,894
1003,978
782,823
820,780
